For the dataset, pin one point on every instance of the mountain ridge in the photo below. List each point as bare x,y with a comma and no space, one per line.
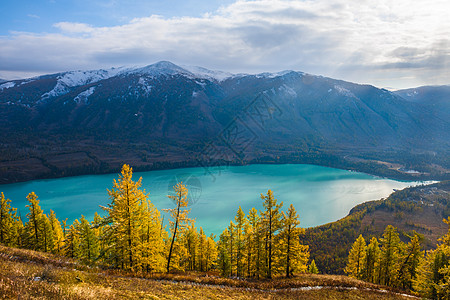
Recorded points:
166,115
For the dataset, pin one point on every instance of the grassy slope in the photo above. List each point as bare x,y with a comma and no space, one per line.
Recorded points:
32,275
419,208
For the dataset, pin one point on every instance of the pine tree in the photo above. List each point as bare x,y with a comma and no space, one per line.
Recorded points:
356,258
178,219
433,274
371,260
191,241
8,231
294,256
409,261
47,234
231,242
223,253
35,225
253,243
210,253
126,214
312,269
88,247
239,240
202,251
58,235
271,219
72,241
389,255
152,243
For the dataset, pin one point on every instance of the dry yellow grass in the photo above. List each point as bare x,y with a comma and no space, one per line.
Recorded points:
27,274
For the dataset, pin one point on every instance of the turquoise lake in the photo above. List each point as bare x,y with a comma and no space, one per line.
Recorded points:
319,194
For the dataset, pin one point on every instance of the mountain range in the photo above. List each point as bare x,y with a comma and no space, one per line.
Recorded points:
164,115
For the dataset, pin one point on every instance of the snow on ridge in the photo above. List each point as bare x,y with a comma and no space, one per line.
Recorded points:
204,73
67,80
7,85
83,96
274,74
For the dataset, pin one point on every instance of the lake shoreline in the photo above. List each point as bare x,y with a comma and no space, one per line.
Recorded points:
366,166
322,194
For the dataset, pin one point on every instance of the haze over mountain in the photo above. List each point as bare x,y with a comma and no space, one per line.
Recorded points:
164,115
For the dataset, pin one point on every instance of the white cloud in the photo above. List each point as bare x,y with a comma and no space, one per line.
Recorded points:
69,27
387,43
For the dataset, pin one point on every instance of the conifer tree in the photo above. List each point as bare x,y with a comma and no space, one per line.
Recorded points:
35,225
271,219
72,241
239,240
433,274
191,241
294,256
47,234
152,244
8,232
312,269
371,260
231,242
126,214
210,253
356,258
254,237
58,235
88,247
389,255
178,219
223,253
202,251
99,232
409,261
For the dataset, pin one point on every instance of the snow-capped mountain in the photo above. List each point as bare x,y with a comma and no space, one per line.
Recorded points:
172,112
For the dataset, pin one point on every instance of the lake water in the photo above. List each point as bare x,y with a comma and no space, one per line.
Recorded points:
319,194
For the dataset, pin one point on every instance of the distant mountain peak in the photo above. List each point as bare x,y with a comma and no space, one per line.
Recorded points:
162,68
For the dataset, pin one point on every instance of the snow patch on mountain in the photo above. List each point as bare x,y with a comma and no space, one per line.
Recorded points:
276,74
83,97
7,85
344,92
144,85
212,75
288,90
71,79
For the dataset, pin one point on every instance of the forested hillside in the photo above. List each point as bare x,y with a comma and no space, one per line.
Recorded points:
417,209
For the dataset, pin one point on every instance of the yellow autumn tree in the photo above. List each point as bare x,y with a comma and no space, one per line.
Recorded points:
58,235
35,226
271,224
178,222
356,258
130,224
7,222
294,256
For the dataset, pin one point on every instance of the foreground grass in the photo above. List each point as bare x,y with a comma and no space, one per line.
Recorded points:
26,274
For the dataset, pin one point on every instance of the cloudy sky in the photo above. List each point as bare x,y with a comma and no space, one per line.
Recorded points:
388,43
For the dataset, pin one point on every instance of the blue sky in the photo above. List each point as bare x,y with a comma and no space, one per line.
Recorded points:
39,16
391,44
